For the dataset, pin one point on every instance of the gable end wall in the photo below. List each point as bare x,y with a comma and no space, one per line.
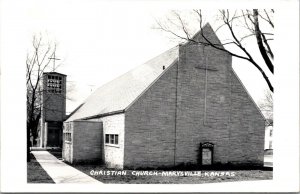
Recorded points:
154,138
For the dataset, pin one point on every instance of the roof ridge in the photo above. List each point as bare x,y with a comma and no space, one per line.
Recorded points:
120,92
129,71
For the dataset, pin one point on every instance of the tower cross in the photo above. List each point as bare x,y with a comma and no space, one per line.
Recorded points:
54,58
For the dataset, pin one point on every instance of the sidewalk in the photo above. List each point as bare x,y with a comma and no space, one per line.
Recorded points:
61,172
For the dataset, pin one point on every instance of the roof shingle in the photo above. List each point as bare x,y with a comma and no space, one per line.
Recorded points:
119,93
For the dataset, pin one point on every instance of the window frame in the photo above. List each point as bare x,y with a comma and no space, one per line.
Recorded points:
68,137
111,139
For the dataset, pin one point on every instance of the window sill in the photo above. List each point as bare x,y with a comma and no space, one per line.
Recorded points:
68,142
112,145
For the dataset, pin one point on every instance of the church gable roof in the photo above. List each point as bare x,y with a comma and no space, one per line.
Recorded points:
118,94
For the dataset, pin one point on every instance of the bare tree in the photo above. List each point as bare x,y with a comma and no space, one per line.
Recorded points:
37,62
233,21
266,105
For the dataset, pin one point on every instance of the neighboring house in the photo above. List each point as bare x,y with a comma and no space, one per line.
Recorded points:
185,106
269,134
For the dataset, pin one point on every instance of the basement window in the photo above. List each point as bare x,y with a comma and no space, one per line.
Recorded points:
112,139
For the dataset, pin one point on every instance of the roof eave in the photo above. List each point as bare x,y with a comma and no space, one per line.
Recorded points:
102,115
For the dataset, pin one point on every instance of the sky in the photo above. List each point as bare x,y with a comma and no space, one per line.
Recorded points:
99,40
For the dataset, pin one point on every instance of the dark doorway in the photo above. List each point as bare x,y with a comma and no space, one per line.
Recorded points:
54,138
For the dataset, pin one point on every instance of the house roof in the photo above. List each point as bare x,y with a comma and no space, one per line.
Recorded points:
269,122
118,94
54,73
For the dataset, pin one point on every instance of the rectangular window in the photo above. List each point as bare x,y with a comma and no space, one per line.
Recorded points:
68,137
271,132
112,139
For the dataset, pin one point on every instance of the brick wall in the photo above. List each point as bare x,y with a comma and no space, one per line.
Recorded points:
113,155
203,105
247,127
54,104
149,125
86,142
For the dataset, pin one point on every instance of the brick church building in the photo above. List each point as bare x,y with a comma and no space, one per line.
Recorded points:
185,106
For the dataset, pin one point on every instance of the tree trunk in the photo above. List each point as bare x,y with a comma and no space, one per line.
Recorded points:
261,47
34,129
28,144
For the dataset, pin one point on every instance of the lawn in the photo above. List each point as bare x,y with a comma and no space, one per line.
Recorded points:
175,177
171,177
35,173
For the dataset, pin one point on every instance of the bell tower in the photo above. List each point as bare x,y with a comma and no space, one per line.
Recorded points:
53,111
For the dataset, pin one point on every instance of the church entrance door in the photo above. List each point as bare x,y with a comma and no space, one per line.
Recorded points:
54,134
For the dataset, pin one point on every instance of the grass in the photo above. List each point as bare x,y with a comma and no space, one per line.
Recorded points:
130,178
35,172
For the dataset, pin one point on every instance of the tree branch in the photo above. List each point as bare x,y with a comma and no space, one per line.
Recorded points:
228,20
269,19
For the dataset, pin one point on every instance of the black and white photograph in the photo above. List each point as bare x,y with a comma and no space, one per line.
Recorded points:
118,96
